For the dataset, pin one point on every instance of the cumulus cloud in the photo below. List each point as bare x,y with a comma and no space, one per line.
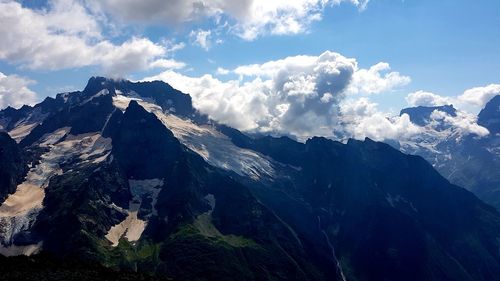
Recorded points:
374,80
306,96
300,95
381,127
65,35
423,98
248,19
479,96
377,79
14,91
361,118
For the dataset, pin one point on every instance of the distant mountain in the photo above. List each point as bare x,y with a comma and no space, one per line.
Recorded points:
469,161
421,115
130,176
489,117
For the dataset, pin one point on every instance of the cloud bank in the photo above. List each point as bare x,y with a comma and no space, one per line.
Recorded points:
299,95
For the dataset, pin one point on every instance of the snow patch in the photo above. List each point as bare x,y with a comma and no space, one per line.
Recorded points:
20,209
121,101
132,227
99,94
215,147
23,127
20,132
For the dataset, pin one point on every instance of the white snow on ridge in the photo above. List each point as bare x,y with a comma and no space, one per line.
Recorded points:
20,209
20,132
99,94
23,127
132,227
121,102
215,147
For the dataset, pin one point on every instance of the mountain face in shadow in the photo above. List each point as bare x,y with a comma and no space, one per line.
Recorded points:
129,176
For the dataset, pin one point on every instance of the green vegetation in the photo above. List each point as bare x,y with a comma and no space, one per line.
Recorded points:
203,224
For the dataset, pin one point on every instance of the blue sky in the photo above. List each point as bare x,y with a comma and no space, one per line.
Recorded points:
443,47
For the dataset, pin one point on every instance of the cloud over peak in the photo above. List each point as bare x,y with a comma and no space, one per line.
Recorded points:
423,98
299,95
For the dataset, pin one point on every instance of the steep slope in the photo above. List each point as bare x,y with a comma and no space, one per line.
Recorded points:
130,176
128,194
12,166
389,216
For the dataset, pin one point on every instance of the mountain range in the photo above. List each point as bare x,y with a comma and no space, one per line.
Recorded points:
129,176
470,161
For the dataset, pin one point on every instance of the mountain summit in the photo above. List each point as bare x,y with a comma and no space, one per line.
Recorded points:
130,176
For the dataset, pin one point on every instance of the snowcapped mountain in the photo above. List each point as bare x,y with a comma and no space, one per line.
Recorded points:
470,159
130,176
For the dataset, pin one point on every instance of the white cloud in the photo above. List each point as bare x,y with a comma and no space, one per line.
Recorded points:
479,96
222,71
361,119
306,96
374,80
202,38
135,54
381,127
167,64
249,18
301,95
14,91
377,79
66,36
422,98
281,17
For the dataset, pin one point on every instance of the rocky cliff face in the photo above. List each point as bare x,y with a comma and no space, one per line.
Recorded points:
12,165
